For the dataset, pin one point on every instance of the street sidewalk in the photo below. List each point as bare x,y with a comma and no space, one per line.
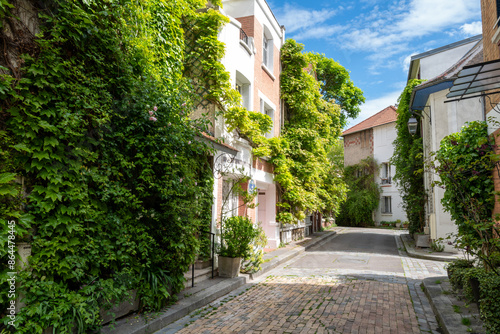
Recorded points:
427,253
209,290
444,302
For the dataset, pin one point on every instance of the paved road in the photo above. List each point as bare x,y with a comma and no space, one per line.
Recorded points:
358,282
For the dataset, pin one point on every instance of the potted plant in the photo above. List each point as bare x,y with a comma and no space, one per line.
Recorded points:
238,234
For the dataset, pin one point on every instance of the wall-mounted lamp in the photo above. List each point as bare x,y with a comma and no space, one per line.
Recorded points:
413,122
412,125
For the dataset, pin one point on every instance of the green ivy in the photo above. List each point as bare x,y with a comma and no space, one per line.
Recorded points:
363,196
408,161
308,180
465,161
100,166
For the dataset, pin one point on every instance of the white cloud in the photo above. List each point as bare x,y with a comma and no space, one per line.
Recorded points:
319,32
472,29
296,19
430,16
383,30
391,31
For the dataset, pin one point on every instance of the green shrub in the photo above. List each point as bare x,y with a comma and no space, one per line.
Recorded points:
238,235
254,261
456,272
490,302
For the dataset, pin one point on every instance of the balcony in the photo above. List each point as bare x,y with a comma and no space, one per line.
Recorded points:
243,37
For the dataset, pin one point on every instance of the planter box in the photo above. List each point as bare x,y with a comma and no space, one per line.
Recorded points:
422,240
130,304
229,267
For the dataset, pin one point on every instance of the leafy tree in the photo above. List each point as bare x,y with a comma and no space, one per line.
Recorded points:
408,160
313,123
363,196
336,85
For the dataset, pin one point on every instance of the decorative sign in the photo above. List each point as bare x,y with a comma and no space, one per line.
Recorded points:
251,186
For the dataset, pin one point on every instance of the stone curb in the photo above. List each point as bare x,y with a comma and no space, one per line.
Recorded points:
412,253
206,296
449,321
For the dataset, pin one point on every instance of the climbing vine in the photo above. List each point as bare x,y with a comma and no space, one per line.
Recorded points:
409,163
313,123
363,196
464,163
100,168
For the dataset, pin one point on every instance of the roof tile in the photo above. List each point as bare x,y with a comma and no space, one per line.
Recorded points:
388,115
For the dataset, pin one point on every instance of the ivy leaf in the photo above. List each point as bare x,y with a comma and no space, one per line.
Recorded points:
52,141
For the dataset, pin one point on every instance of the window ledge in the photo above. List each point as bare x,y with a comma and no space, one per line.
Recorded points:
387,214
268,71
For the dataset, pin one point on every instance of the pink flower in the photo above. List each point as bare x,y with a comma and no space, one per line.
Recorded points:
169,124
181,180
184,104
155,108
196,183
150,113
175,155
152,119
189,142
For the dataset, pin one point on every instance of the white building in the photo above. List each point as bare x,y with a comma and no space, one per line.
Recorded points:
253,40
441,116
374,137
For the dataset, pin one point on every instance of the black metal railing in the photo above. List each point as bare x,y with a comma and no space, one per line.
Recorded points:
212,255
243,36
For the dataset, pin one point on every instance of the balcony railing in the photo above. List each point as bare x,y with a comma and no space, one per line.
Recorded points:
243,36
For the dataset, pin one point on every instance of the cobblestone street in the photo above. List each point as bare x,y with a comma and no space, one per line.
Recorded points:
358,282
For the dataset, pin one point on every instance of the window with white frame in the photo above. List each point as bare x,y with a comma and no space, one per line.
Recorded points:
385,173
265,108
267,49
386,204
243,87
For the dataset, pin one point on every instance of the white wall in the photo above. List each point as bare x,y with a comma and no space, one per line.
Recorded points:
383,137
445,118
262,12
433,65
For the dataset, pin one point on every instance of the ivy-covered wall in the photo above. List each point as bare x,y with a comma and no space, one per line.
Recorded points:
94,121
363,196
409,163
318,95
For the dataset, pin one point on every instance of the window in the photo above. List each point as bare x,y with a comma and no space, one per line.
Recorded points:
267,49
385,173
265,108
386,204
243,87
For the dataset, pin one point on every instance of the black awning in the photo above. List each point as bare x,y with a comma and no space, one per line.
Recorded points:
476,80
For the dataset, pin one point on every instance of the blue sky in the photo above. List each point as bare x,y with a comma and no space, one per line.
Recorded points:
374,39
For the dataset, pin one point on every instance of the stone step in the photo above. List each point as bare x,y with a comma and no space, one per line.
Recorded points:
200,275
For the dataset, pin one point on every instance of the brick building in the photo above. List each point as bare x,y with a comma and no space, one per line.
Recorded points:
253,40
373,138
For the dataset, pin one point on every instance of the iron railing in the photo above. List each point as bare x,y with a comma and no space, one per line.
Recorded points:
212,255
243,36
